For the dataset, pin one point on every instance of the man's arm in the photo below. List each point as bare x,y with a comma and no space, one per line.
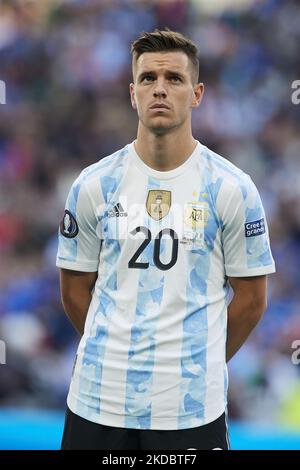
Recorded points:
245,310
76,295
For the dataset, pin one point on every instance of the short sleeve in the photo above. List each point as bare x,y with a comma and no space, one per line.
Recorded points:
245,235
79,239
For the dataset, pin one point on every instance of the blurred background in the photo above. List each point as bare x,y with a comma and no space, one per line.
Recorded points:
67,69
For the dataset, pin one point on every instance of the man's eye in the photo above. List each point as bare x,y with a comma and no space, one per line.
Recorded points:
175,78
147,78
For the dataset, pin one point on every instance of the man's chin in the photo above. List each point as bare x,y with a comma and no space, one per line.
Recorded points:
159,126
161,129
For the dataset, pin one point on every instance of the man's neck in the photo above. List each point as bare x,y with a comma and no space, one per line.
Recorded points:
166,152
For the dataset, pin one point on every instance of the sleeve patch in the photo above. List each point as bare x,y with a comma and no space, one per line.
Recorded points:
255,228
68,225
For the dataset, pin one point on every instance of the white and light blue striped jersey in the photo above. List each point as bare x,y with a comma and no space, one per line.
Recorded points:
152,355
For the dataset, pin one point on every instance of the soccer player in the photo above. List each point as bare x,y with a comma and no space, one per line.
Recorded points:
152,238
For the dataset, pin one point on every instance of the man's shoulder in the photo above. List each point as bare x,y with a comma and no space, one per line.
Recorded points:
221,167
109,166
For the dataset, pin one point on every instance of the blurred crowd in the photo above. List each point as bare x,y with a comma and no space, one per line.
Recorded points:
67,69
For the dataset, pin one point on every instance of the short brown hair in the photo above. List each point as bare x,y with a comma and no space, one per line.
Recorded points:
166,40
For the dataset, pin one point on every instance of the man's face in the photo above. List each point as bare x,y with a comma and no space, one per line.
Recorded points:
164,78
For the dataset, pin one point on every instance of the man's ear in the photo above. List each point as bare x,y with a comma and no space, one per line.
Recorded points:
198,94
132,95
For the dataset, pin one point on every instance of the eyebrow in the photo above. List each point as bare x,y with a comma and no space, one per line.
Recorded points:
151,72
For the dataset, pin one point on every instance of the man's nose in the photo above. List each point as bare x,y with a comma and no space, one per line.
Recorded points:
160,89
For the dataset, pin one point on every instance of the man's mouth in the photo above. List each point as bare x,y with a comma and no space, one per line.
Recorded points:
159,106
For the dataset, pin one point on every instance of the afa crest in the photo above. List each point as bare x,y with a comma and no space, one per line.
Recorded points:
195,215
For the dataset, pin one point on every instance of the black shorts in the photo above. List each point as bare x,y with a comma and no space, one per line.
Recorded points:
80,434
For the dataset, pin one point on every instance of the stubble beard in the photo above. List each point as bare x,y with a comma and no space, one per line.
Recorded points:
160,129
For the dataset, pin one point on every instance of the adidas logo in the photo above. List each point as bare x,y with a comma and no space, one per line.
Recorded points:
117,211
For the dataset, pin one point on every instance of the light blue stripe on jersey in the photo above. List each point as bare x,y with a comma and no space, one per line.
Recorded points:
93,355
222,163
227,167
224,321
141,361
114,160
195,326
110,185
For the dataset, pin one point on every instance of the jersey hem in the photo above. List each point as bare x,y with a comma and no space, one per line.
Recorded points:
163,424
242,272
75,266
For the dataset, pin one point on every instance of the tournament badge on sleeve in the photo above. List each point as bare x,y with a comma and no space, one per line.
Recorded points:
68,225
195,218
